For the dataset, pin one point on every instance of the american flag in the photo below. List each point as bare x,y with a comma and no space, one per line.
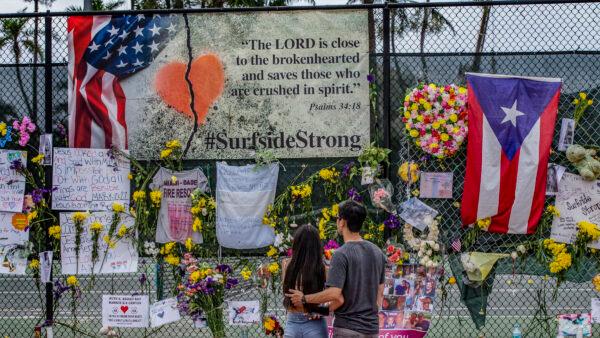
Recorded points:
456,244
511,123
102,51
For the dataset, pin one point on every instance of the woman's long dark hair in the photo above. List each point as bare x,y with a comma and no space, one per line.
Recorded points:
306,270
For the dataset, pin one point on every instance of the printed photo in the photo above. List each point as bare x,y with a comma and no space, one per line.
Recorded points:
428,287
403,286
567,134
417,321
424,303
390,303
555,173
388,286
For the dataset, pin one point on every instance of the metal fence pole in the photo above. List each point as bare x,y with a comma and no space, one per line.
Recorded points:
48,129
386,80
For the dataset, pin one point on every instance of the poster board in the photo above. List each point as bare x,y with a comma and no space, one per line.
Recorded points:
125,311
89,179
12,184
14,234
243,312
577,200
120,259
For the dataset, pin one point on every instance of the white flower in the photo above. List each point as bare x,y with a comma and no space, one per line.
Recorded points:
293,225
423,261
420,254
429,264
514,255
428,220
429,252
278,240
204,212
436,247
218,277
521,248
436,264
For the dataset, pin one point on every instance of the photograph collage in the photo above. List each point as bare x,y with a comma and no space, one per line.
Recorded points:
408,297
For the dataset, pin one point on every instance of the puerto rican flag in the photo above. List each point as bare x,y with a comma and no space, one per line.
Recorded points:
511,123
102,51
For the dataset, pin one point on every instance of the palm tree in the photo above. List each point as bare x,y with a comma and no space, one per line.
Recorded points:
431,21
15,34
99,5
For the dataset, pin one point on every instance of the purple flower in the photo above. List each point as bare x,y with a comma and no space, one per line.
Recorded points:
143,278
231,282
347,168
392,222
331,245
354,195
62,131
371,78
224,268
17,165
59,289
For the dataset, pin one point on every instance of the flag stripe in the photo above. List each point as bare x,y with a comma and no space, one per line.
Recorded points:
472,182
526,177
547,122
110,102
508,183
490,173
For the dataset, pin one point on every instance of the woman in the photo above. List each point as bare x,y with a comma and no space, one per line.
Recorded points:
305,271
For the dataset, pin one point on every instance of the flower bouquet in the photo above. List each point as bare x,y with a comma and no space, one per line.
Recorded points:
381,195
272,326
435,117
203,291
329,249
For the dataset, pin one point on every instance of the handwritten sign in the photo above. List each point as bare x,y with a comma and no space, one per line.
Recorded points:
436,185
164,312
123,257
596,310
89,179
13,236
12,184
577,200
124,311
243,312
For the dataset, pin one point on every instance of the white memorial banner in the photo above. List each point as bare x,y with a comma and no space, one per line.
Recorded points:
89,179
12,184
125,311
577,200
123,257
243,195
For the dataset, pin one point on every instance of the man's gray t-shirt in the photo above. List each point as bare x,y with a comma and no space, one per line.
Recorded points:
358,268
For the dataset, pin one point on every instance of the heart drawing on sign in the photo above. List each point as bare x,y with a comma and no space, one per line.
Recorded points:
207,78
124,308
161,314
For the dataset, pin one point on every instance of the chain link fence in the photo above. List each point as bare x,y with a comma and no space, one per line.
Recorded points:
422,43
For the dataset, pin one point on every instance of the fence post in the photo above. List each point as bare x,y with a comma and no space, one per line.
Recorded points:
386,80
48,129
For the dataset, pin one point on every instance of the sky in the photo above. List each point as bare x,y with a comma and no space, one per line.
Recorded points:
12,6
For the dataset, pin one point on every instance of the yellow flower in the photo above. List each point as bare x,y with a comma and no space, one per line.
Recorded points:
195,276
122,231
325,213
329,174
414,107
420,118
589,229
444,137
165,153
173,179
172,144
596,282
435,125
404,169
427,106
576,101
433,145
590,102
72,281
368,236
96,226
381,228
54,231
416,192
246,273
80,216
272,251
197,225
172,259
155,197
32,215
414,133
129,176
452,280
553,210
274,268
269,324
407,114
139,196
484,223
189,244
561,262
335,210
462,90
3,129
167,248
38,159
322,223
34,264
453,118
301,191
118,207
583,95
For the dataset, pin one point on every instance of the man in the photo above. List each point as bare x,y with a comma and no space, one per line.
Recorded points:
357,273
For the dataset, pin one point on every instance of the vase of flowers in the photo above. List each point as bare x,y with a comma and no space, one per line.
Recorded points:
202,292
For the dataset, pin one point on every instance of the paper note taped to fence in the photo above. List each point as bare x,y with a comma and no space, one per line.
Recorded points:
12,184
89,179
124,311
121,257
14,234
577,200
164,312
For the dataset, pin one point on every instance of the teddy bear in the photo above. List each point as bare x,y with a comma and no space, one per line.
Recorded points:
585,161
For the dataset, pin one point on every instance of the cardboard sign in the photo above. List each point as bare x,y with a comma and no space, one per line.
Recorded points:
577,200
12,184
125,311
89,179
164,312
122,258
243,312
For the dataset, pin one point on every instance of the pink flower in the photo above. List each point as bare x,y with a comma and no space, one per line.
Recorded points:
24,127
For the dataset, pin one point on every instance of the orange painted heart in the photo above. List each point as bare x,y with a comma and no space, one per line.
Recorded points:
207,77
